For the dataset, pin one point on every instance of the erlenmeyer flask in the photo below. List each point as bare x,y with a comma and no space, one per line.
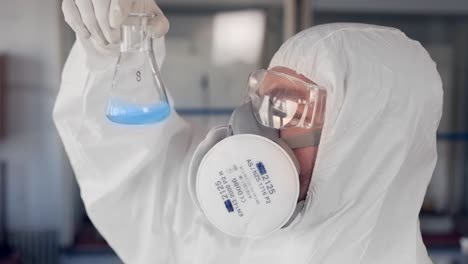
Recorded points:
137,95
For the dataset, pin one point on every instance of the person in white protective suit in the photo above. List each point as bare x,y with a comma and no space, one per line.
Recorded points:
359,195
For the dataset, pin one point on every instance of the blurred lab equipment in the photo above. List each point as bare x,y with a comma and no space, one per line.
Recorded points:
7,254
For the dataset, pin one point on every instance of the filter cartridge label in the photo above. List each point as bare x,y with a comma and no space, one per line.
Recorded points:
244,183
245,190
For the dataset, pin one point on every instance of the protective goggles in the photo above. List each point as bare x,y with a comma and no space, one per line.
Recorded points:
280,100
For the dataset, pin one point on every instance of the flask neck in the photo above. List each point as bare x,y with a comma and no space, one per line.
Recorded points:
135,34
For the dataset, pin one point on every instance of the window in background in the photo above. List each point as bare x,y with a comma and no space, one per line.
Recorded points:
238,37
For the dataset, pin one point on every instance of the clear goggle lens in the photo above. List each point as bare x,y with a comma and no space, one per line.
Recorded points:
282,101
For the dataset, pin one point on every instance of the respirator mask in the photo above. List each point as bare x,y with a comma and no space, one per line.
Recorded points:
244,177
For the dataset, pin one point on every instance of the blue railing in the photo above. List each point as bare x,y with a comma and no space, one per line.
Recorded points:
204,111
452,136
443,136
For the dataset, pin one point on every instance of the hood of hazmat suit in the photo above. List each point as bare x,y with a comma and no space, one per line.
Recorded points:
375,159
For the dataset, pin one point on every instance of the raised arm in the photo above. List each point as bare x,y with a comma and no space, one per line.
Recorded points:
132,178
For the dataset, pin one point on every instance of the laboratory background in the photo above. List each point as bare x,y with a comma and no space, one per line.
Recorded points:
211,48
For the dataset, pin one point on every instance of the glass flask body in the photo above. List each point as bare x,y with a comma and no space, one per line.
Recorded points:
137,95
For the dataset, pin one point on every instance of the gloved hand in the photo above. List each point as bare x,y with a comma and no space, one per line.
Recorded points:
100,20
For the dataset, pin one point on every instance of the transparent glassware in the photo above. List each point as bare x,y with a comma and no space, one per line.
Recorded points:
138,95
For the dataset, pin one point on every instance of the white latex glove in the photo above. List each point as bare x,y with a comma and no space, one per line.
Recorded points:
100,20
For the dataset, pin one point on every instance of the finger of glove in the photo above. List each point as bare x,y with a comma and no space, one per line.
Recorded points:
159,24
73,18
119,10
101,9
89,19
108,50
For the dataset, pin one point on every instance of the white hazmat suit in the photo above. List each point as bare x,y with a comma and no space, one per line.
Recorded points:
375,159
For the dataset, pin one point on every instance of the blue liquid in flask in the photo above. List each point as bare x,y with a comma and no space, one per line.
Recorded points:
131,114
